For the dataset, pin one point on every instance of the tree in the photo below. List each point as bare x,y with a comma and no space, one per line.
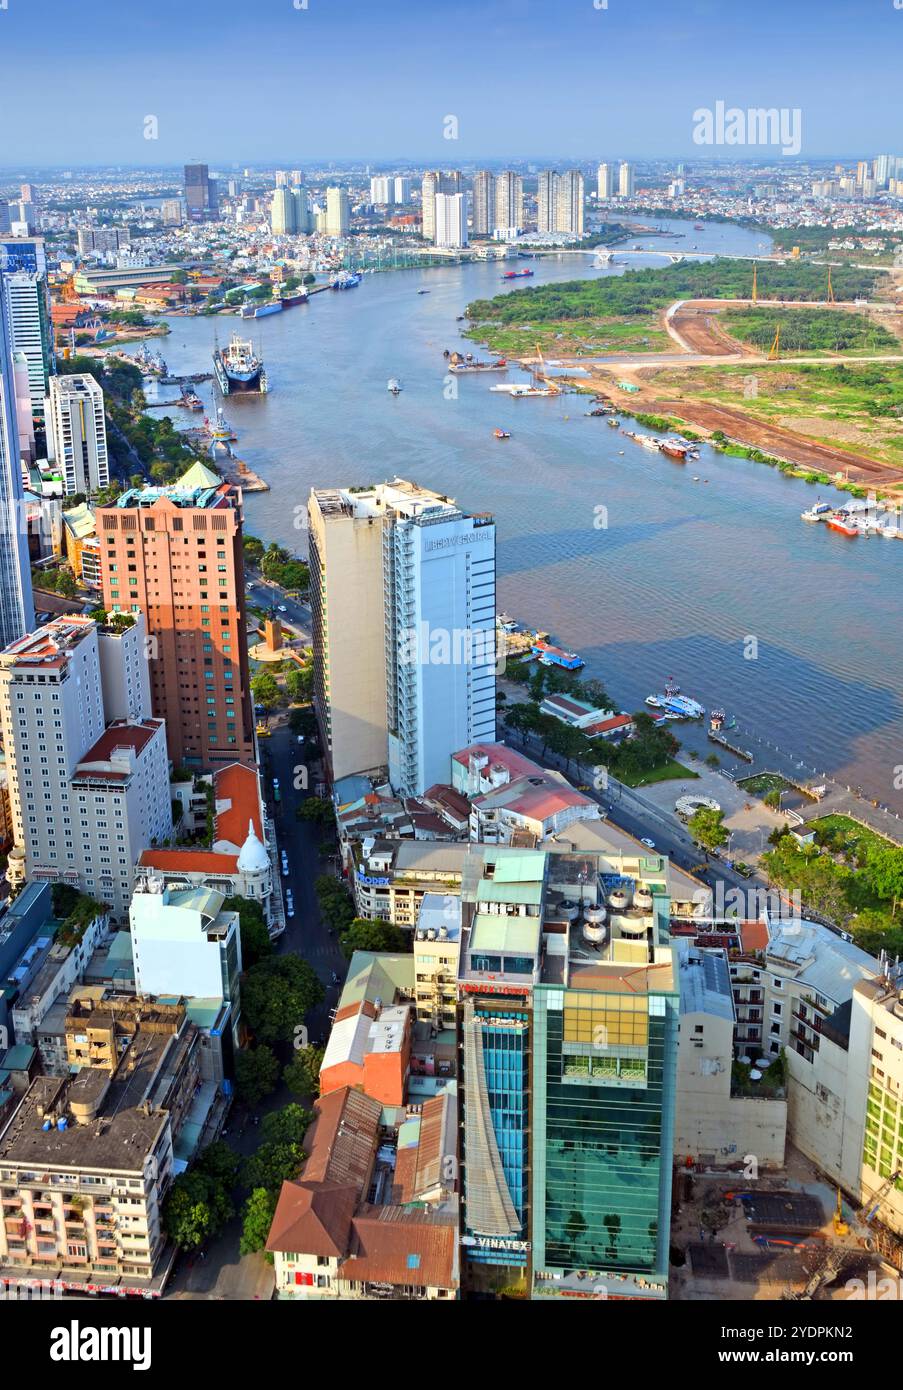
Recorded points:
272,1165
255,939
256,1074
277,995
196,1209
257,1218
317,809
363,935
265,690
336,903
299,682
253,550
219,1163
302,1074
707,828
884,873
286,1126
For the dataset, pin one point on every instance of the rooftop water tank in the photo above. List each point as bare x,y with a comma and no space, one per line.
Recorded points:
619,899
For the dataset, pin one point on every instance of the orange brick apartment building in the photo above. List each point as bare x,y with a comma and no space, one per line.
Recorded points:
175,554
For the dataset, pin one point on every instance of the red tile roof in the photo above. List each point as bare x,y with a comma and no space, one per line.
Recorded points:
136,736
237,785
189,861
395,1245
498,754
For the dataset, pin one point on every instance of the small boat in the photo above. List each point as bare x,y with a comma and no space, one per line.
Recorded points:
613,424
423,291
501,434
842,522
698,226
695,477
890,533
393,385
673,450
817,513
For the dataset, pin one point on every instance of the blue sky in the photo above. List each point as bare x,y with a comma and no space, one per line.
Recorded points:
236,81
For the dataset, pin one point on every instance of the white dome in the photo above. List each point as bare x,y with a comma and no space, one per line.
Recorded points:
253,858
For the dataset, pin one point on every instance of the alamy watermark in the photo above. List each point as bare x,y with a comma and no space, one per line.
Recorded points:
758,125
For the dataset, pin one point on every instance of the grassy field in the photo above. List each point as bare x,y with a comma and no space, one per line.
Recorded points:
671,771
858,407
857,838
764,783
809,330
572,338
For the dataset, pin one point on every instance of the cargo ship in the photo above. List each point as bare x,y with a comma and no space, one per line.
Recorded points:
516,274
237,368
345,280
293,297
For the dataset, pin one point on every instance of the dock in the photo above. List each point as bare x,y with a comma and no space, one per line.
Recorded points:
236,471
743,753
184,380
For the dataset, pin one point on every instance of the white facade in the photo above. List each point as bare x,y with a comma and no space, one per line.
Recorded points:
626,180
77,434
85,799
605,181
183,943
509,202
52,976
401,192
483,205
382,190
569,203
25,292
124,671
451,219
546,200
338,212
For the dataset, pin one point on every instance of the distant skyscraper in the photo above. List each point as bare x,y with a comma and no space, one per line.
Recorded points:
16,605
402,189
509,202
76,432
451,219
569,203
171,210
28,312
436,181
862,171
28,193
883,169
338,212
282,212
201,192
483,212
546,200
4,219
297,177
382,190
605,181
626,180
281,178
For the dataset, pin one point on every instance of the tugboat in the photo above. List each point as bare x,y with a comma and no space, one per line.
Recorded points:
238,368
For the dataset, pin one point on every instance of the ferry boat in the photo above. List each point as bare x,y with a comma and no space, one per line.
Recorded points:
516,274
842,522
555,656
345,280
393,385
673,450
819,512
519,389
261,311
238,368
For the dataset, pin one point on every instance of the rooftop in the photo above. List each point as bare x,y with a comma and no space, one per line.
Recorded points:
50,646
816,956
705,982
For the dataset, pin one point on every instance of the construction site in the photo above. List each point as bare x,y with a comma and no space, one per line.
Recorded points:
786,1235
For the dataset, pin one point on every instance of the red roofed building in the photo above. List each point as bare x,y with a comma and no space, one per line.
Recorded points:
238,862
511,795
329,1242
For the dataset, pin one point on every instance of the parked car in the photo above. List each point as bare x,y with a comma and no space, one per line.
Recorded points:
649,843
281,608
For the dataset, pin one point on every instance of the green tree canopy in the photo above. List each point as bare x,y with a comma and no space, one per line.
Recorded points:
277,995
256,1074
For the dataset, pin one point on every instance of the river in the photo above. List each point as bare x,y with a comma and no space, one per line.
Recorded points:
792,628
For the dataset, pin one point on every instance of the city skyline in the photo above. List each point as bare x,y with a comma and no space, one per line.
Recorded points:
659,68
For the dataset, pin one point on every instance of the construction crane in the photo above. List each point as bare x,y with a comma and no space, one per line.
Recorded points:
540,373
776,346
833,1261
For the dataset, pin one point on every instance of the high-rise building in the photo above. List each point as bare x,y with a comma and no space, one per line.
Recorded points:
88,781
862,171
401,192
509,202
16,603
4,218
568,1011
27,300
403,609
605,181
175,555
297,177
201,193
338,212
436,181
569,203
547,200
382,190
171,212
77,434
451,219
28,193
483,202
626,180
282,213
281,178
